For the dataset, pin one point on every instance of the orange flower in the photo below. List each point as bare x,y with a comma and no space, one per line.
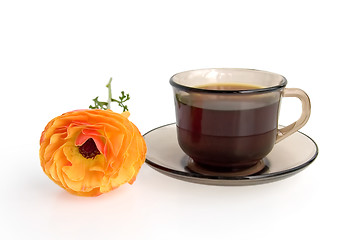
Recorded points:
90,152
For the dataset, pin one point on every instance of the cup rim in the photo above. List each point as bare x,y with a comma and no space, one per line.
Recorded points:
282,84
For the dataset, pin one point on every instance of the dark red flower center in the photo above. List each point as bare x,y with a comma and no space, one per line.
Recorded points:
89,149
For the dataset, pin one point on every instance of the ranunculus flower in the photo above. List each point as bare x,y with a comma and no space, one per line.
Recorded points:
90,152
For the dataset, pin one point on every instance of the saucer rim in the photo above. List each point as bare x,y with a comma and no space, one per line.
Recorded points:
260,177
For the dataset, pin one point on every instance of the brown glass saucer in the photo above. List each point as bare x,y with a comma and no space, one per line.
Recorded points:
287,158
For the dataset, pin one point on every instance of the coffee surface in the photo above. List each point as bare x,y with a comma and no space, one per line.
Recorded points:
229,86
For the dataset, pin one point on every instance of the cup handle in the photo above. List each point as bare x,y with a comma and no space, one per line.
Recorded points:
306,111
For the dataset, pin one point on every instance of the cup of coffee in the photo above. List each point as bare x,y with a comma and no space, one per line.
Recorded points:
227,118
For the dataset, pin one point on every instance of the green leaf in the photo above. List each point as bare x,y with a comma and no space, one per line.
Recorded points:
106,105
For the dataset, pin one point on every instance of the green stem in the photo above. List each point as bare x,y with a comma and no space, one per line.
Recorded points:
109,86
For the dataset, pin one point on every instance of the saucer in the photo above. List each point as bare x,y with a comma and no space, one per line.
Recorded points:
287,158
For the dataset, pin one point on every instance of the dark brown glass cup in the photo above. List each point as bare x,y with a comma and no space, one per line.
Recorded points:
227,119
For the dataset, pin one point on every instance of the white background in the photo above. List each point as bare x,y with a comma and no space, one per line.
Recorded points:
55,56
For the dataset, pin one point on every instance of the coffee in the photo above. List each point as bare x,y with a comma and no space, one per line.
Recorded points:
226,132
